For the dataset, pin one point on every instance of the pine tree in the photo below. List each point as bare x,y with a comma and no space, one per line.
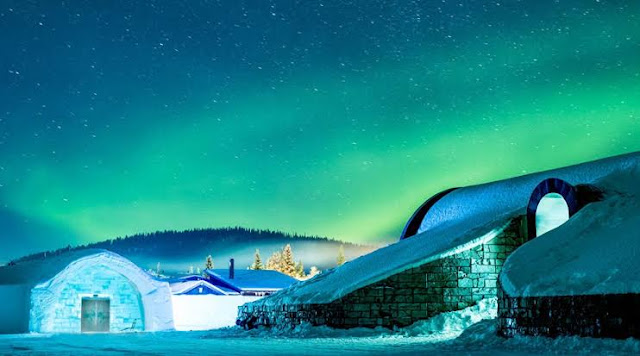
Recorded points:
257,261
300,269
341,259
209,263
288,263
275,261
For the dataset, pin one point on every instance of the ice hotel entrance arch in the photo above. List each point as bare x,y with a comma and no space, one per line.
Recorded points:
551,204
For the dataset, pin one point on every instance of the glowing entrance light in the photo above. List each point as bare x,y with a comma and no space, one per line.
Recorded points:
552,212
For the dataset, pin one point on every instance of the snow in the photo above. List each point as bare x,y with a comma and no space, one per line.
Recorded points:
183,287
205,312
459,220
253,280
596,252
477,205
444,326
452,333
403,255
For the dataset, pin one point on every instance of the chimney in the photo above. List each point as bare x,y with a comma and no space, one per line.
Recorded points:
232,272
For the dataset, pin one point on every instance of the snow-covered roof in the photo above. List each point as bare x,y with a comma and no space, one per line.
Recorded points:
596,252
477,205
251,280
462,219
182,287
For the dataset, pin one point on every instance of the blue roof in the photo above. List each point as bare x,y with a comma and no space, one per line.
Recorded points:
246,279
196,287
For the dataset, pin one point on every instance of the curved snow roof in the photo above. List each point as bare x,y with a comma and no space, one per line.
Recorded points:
480,203
460,220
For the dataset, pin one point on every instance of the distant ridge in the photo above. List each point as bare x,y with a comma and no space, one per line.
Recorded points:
177,251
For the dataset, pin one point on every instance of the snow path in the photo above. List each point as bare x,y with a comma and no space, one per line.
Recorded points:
480,339
454,333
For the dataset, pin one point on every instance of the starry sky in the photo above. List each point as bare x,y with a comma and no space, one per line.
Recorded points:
333,117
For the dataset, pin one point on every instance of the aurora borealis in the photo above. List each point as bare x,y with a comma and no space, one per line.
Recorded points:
334,118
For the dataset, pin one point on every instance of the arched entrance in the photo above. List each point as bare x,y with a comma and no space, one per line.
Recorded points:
552,212
552,203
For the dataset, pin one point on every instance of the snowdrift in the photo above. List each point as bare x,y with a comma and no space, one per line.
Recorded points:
596,252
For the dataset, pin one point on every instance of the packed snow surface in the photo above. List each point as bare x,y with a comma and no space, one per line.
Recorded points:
596,252
455,333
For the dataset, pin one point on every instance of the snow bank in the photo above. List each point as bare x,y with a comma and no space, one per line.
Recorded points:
482,339
206,312
452,324
444,326
596,252
385,262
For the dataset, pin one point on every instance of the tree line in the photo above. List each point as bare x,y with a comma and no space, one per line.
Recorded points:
170,241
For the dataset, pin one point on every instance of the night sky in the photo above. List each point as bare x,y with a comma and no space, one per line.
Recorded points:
334,118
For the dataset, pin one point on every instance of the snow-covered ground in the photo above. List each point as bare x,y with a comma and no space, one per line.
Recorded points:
205,312
466,332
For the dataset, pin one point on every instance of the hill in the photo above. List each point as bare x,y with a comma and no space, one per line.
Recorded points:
177,251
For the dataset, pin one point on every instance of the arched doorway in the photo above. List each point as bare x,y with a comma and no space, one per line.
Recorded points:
552,203
552,212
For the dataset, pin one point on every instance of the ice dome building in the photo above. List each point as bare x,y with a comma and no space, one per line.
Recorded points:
83,291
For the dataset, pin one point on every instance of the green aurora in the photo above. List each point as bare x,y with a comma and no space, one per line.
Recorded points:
338,145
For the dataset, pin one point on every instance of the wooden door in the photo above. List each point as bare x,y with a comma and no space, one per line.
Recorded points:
95,315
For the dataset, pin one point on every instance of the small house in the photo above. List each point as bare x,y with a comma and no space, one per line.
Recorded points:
212,300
